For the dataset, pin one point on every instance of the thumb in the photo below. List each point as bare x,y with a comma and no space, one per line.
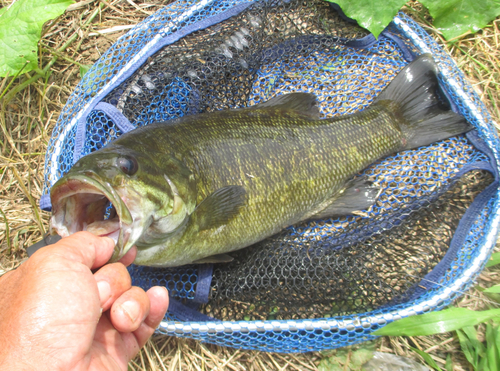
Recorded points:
82,247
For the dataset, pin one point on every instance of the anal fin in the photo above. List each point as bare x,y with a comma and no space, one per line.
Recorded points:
214,259
358,195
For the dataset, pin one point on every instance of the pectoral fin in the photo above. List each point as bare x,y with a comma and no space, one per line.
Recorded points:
219,207
220,258
359,194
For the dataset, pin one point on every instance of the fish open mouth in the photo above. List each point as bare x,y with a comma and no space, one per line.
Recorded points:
82,203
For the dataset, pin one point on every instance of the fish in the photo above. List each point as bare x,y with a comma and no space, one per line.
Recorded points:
192,189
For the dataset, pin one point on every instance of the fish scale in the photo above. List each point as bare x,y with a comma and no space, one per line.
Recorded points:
280,152
194,188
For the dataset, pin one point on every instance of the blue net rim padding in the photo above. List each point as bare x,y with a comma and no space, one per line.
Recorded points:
301,335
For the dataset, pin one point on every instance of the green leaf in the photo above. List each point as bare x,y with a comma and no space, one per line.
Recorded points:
494,260
455,17
497,342
20,31
493,289
467,348
84,68
483,365
427,358
491,347
437,322
477,347
347,359
452,17
449,363
370,14
493,297
330,364
360,357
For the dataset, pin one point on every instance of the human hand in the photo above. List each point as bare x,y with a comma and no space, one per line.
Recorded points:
51,306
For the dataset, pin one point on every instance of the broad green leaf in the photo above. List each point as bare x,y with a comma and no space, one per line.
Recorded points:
455,17
437,322
493,289
20,31
370,14
360,357
330,364
427,358
494,260
335,362
452,17
347,359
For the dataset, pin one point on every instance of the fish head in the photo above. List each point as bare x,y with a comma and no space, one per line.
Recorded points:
116,192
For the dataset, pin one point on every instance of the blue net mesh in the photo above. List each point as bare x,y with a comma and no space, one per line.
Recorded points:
316,285
181,282
100,130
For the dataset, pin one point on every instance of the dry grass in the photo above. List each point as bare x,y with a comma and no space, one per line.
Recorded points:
27,119
477,55
166,353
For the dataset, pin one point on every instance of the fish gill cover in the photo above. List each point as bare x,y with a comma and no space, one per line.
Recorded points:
195,57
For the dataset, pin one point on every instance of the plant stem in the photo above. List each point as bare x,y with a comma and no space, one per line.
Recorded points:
7,231
474,60
55,52
11,81
18,88
72,38
6,134
30,199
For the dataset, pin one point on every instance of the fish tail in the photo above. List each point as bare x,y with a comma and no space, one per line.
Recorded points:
424,117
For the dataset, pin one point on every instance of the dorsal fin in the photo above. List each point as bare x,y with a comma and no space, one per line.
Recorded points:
304,103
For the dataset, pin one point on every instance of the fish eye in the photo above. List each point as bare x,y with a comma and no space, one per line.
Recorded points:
128,165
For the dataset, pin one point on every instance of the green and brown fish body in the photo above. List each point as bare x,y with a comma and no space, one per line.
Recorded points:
197,187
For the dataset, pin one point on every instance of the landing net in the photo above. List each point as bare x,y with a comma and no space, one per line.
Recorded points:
326,283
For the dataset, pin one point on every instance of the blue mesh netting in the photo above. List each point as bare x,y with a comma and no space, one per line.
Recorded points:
180,283
100,129
322,284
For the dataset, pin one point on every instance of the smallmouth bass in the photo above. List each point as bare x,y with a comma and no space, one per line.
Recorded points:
192,189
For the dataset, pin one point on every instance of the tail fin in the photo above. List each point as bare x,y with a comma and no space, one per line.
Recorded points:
425,120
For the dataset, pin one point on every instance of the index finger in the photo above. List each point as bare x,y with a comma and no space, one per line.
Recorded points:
82,247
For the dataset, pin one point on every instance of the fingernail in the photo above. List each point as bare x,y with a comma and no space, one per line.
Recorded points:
104,291
164,289
131,309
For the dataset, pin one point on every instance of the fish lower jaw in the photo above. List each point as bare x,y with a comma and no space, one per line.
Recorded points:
61,230
88,206
105,228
